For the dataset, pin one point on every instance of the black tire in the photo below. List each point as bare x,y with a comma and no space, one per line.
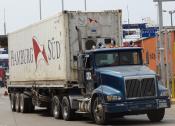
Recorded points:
66,109
49,109
56,108
12,101
156,115
17,102
24,105
98,112
31,107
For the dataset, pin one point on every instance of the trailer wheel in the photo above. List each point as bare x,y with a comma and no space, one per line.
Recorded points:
66,109
23,104
31,107
56,107
12,101
98,111
156,115
17,102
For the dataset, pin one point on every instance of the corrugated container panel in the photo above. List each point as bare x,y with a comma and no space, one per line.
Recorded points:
44,51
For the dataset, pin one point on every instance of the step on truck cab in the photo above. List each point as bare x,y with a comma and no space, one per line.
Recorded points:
69,63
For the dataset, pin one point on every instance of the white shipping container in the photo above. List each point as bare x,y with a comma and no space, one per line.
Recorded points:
45,51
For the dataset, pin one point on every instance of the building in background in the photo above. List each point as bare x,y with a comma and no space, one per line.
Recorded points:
151,48
133,32
3,60
151,44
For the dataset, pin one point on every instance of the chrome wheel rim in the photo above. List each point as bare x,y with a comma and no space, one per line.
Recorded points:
98,110
65,111
21,104
55,111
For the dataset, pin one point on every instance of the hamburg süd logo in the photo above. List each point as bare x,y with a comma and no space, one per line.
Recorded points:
39,50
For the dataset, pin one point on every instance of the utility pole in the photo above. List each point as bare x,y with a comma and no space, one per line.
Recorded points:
4,23
62,2
85,6
171,16
161,49
40,9
128,14
128,19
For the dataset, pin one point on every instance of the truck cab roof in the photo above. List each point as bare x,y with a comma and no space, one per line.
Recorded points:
113,49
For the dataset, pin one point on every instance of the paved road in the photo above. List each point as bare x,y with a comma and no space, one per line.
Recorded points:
41,118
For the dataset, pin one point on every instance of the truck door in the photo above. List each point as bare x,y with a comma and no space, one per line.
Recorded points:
89,82
85,72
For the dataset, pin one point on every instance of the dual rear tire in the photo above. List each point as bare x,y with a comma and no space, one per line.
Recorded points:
21,103
26,105
62,108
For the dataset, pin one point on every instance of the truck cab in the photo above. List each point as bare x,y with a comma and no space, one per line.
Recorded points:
116,82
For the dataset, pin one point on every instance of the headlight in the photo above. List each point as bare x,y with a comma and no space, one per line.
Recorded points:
164,93
113,98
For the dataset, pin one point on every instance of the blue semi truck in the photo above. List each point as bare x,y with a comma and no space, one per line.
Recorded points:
66,63
121,85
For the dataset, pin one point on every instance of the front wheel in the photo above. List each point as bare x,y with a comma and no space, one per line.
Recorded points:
98,111
156,115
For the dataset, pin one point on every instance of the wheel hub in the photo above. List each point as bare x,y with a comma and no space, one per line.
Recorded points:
99,111
55,110
65,111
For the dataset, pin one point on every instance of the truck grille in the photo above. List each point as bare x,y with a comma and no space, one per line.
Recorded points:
139,88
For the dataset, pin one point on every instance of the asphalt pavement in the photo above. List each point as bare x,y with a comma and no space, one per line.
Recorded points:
41,118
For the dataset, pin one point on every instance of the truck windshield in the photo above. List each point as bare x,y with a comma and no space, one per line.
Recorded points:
105,59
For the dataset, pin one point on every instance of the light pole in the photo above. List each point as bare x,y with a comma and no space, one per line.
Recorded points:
128,18
161,44
62,2
40,9
4,23
161,49
85,6
171,16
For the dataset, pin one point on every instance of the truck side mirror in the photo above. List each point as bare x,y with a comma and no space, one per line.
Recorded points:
87,62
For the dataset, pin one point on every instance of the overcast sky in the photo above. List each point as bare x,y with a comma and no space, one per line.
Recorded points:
20,13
